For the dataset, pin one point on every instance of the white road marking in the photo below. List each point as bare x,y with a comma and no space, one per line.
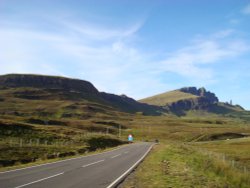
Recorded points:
115,156
126,152
129,170
92,163
61,160
39,180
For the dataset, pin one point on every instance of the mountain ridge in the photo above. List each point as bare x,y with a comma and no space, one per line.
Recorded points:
178,102
190,99
53,87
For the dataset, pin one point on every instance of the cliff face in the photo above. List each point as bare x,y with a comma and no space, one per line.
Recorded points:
205,100
47,82
201,103
201,92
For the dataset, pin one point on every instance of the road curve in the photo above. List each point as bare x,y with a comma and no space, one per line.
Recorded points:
102,170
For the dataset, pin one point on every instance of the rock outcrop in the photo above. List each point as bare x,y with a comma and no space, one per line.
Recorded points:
205,100
200,103
46,82
201,92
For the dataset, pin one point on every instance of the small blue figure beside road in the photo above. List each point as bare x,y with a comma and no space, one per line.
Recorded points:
130,138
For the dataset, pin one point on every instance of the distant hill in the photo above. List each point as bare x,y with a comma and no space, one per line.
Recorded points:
168,98
191,99
52,96
38,87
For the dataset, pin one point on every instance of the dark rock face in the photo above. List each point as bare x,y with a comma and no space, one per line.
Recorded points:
191,90
47,82
201,103
202,93
205,101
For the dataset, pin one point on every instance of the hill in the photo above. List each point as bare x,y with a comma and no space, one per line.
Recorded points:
52,96
167,98
45,117
56,96
38,87
187,99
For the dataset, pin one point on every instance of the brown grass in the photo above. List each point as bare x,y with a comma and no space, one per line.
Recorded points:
167,98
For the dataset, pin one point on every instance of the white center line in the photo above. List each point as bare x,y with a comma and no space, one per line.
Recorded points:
50,163
39,180
92,163
129,170
115,156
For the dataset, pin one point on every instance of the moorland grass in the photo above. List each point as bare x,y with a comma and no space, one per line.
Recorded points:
167,98
180,161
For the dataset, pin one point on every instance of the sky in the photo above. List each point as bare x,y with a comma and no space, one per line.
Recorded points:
138,48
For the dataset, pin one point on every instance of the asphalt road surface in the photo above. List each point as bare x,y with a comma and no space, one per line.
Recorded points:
102,170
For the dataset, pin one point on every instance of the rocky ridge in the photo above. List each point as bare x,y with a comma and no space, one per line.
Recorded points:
205,100
201,92
39,87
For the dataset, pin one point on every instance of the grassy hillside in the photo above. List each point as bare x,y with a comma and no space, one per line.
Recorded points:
194,102
40,87
40,124
202,148
167,98
204,151
45,117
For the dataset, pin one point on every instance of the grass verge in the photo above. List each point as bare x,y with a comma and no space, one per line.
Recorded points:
181,166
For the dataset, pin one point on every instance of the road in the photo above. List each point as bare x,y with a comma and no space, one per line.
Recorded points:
102,170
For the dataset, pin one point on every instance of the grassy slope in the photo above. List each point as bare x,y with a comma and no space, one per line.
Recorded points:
166,98
178,161
214,110
54,126
181,166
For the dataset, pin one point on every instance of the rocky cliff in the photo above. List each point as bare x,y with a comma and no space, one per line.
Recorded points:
205,100
46,82
201,92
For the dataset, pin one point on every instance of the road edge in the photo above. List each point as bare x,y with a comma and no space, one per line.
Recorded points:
117,181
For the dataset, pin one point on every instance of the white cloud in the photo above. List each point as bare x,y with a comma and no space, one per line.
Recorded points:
108,58
96,32
114,65
192,61
246,9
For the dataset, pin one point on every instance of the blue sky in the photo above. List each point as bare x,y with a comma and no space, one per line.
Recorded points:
138,48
